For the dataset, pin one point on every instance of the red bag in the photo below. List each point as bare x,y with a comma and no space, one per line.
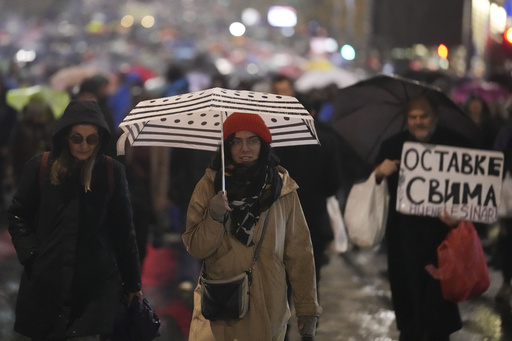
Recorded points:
462,267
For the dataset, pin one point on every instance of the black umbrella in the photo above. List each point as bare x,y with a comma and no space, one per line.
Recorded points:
370,111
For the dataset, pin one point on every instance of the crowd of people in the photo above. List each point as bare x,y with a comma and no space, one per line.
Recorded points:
177,191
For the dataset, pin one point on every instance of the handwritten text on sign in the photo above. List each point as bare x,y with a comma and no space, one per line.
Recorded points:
467,182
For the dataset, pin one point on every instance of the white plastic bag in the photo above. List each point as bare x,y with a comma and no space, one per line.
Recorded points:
340,243
505,208
366,212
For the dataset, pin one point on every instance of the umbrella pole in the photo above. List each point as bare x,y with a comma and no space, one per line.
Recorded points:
222,153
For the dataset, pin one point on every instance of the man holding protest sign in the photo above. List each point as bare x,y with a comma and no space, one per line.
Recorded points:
412,240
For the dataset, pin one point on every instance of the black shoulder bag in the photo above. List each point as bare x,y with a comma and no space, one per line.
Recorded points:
224,299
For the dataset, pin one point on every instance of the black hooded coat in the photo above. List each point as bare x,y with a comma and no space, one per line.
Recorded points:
78,248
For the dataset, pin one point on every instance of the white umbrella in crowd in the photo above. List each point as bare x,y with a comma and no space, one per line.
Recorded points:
319,79
194,120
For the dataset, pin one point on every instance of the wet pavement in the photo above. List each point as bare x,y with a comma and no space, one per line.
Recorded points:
354,293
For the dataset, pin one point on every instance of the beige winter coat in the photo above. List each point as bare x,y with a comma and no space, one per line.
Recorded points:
286,251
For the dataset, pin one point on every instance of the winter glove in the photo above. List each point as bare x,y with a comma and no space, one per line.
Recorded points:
218,207
307,325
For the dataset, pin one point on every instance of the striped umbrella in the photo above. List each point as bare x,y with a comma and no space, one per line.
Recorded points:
194,120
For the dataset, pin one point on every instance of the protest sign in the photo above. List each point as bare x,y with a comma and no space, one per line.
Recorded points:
467,182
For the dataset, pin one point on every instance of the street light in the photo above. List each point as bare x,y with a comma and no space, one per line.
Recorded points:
348,52
507,35
237,29
442,51
282,16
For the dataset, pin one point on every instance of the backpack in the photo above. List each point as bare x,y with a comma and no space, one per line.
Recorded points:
110,171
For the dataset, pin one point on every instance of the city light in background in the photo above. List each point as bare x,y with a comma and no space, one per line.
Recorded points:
508,35
237,29
25,56
442,51
127,21
343,33
282,16
251,17
147,21
348,52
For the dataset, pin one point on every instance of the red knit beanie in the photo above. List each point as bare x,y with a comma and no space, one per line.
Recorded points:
239,121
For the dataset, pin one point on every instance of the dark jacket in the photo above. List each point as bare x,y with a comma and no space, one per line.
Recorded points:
412,242
76,247
317,170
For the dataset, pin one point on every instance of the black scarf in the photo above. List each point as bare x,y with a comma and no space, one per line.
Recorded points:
251,190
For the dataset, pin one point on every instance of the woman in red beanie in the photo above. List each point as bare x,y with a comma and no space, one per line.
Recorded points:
224,228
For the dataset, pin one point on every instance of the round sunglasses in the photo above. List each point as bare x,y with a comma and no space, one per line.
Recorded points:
91,140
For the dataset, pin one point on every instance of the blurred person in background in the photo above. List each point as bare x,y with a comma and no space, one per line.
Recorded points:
176,82
8,120
71,225
317,171
219,81
327,97
147,172
282,85
502,257
186,169
504,241
358,169
129,92
30,136
479,111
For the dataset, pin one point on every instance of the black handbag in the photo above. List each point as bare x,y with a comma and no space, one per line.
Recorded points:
224,299
136,322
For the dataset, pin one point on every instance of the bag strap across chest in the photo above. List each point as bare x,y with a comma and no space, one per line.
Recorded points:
254,256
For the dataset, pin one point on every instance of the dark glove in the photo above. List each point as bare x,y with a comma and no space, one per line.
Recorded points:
308,324
218,207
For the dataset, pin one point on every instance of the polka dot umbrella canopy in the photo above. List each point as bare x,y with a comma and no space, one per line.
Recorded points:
194,120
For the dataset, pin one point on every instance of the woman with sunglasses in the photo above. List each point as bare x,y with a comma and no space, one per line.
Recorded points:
74,236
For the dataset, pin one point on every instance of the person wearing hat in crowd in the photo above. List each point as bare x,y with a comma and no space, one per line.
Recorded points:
223,229
71,224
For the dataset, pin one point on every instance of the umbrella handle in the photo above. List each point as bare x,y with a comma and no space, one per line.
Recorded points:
222,153
121,144
223,169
